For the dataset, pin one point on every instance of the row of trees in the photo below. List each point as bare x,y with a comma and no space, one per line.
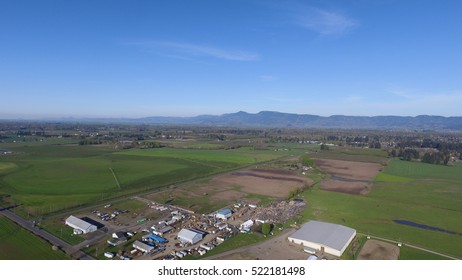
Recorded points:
433,157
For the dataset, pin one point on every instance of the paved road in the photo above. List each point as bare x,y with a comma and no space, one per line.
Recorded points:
69,249
409,245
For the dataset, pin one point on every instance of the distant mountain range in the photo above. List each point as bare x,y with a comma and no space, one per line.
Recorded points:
269,119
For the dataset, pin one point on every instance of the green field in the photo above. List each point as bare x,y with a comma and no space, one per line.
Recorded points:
417,192
353,154
19,244
50,178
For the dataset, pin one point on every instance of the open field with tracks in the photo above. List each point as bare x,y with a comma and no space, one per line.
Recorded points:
44,179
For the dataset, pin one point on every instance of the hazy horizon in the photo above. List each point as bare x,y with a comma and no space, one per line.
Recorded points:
133,59
58,117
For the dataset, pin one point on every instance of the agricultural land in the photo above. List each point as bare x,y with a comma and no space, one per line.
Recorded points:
381,184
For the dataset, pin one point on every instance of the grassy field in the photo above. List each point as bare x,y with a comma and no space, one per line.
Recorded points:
408,253
49,178
410,191
19,244
353,154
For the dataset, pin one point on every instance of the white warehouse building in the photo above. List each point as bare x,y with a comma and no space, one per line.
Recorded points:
189,236
325,237
80,225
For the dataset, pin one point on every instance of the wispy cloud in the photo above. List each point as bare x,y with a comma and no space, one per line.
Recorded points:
324,22
195,50
267,78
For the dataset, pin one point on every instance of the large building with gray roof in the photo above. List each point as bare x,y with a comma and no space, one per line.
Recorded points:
190,236
325,237
79,225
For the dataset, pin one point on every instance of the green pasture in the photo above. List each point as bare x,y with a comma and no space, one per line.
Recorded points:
18,244
417,170
410,191
7,167
408,253
58,228
50,178
212,158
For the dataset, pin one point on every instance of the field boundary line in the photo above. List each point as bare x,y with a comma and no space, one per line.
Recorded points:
115,177
408,245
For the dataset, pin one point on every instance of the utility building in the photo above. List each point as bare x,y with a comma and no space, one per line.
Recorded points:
189,236
223,214
143,247
79,225
325,237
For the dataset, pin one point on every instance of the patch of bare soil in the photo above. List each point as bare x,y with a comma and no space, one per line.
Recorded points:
348,176
350,169
228,195
346,187
276,248
379,250
270,182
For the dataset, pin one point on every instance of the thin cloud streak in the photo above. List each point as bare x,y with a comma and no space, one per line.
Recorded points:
199,50
325,22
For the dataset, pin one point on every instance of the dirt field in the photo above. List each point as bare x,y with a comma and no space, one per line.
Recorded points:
269,182
348,176
379,250
211,194
277,248
346,187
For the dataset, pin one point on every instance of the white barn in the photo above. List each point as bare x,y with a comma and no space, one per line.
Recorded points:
325,237
189,236
143,247
80,225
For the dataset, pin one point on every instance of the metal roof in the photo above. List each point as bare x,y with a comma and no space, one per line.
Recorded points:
142,246
78,223
225,212
327,234
189,235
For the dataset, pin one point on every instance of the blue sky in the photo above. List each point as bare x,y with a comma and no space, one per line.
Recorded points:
121,58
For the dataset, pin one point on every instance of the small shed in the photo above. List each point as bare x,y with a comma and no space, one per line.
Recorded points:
118,235
223,214
157,238
162,231
221,225
246,225
143,247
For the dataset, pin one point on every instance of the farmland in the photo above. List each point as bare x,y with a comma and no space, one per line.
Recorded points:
19,244
52,178
45,179
410,191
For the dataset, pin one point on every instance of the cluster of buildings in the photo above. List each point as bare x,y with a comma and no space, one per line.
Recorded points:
189,233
